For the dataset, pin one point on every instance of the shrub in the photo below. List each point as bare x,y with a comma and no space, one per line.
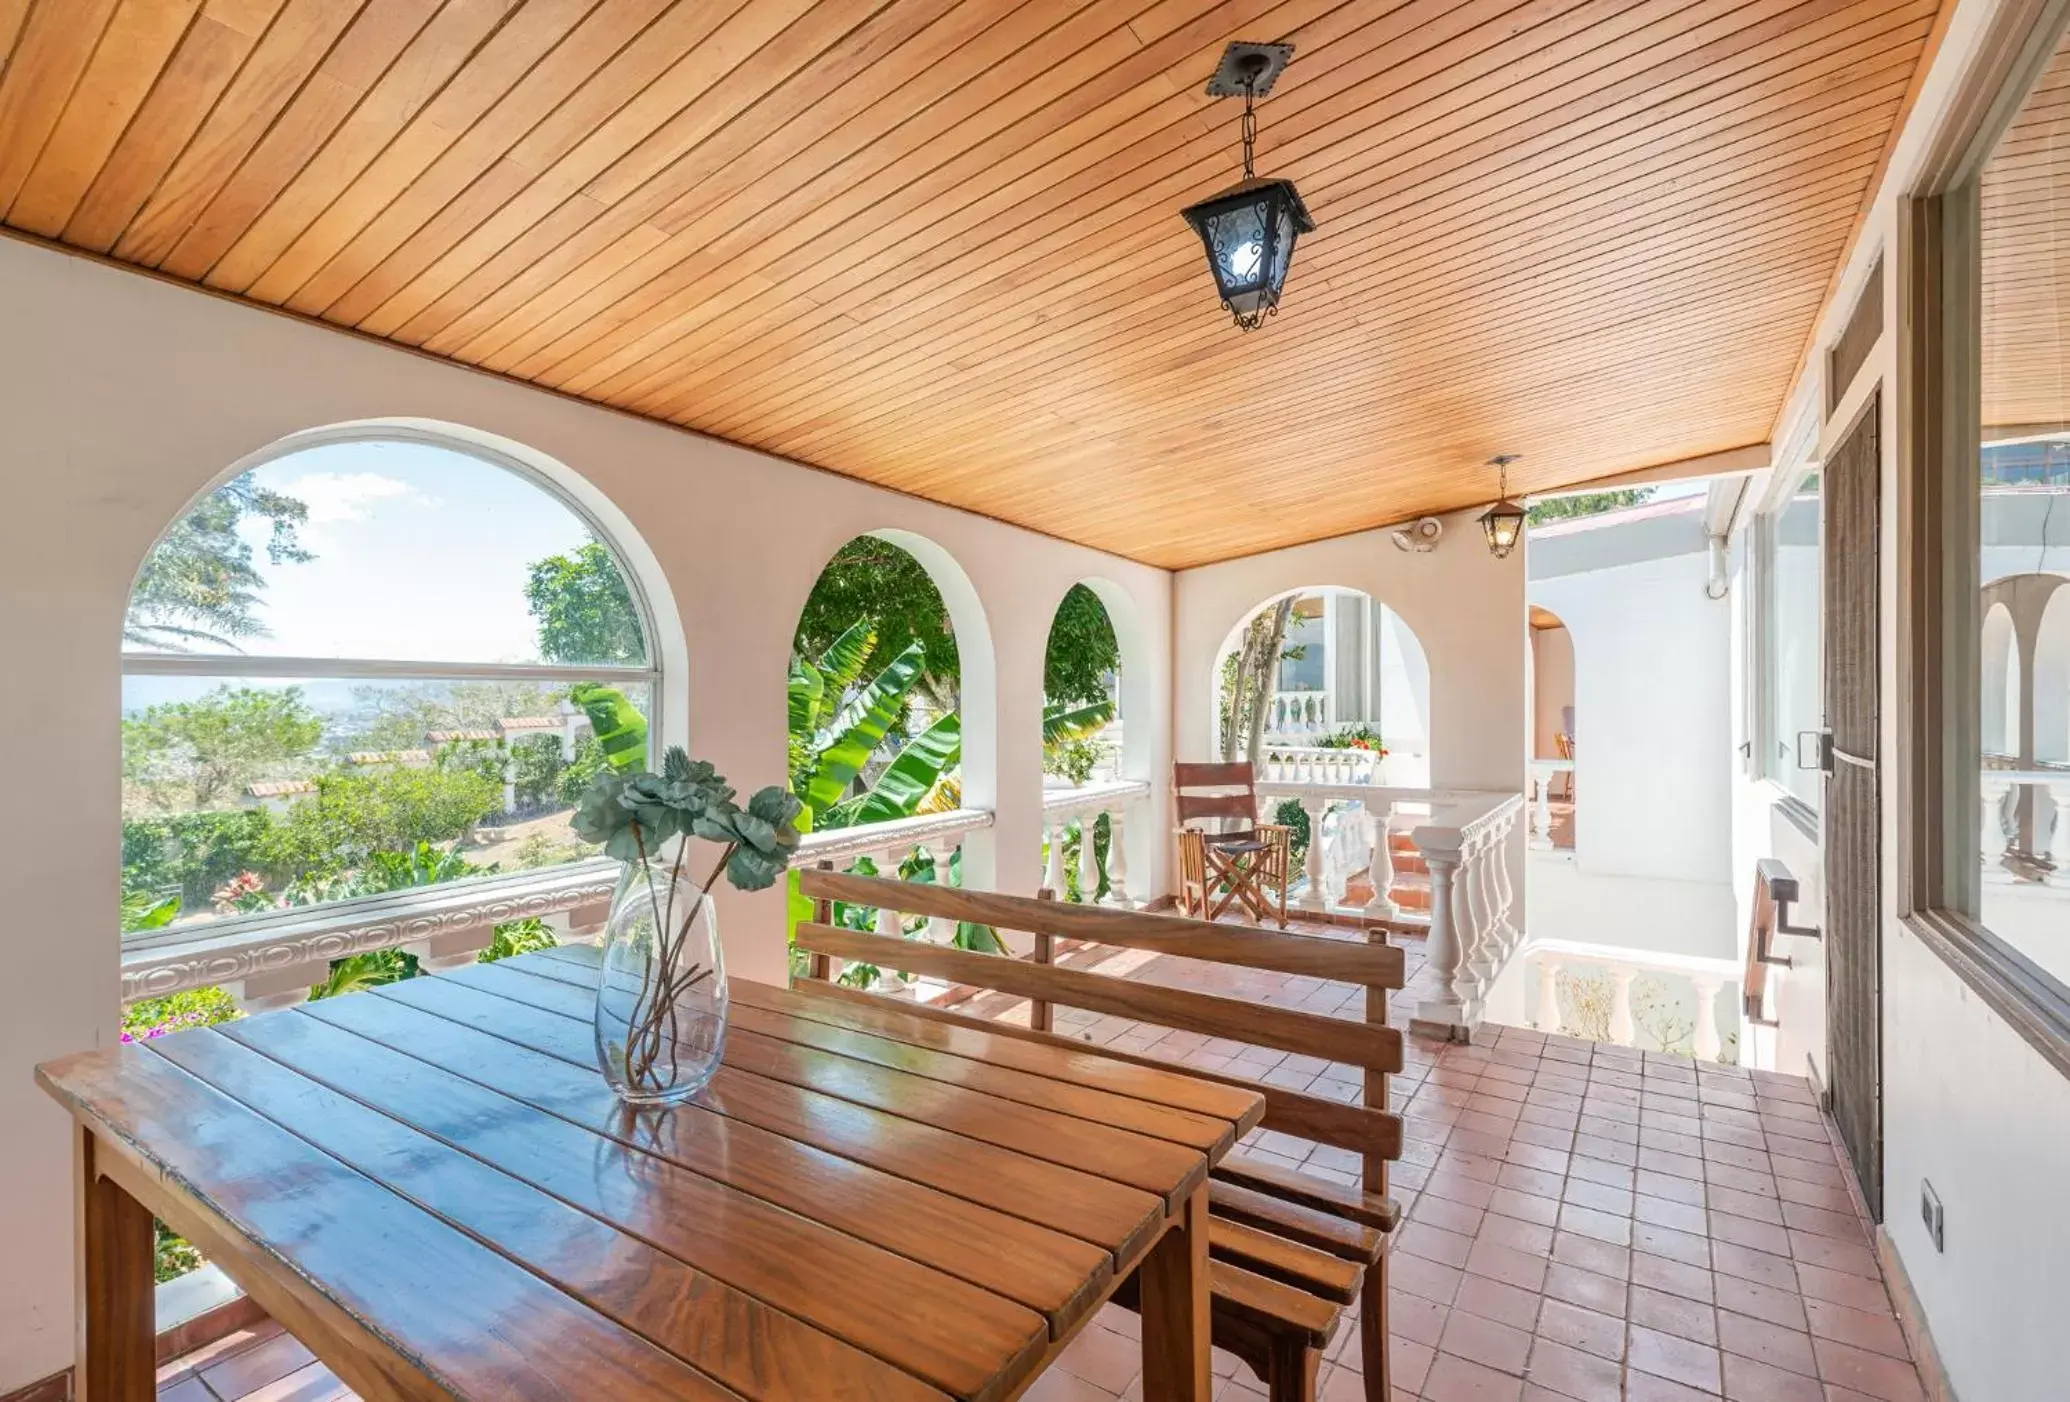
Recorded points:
197,853
517,937
536,767
353,816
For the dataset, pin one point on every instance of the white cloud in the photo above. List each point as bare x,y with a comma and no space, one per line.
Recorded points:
337,497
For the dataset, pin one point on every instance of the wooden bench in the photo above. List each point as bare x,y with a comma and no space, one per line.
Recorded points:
1289,1252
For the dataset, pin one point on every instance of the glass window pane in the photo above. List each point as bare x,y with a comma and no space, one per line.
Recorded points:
2022,830
385,550
243,795
1793,677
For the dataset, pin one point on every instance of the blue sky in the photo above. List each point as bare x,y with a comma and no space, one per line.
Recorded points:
421,554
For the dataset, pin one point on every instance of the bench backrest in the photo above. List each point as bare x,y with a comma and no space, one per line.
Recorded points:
1367,1129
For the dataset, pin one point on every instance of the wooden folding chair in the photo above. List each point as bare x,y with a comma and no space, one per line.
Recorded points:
1247,863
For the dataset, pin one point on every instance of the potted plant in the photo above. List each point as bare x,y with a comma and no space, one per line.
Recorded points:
661,995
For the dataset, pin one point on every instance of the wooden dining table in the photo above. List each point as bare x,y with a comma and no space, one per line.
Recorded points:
431,1186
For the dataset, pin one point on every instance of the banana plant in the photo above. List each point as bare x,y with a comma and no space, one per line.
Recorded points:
838,721
620,729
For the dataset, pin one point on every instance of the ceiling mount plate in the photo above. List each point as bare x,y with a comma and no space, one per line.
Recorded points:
1266,61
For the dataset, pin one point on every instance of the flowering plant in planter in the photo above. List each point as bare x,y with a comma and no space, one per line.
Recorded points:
661,996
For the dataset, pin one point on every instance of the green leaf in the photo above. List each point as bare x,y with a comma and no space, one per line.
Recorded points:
807,696
621,730
1064,723
860,727
847,655
909,778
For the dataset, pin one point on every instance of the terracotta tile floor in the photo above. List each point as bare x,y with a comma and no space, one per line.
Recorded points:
1584,1222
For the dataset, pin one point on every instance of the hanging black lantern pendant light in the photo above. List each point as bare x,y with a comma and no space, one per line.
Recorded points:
1250,228
1503,523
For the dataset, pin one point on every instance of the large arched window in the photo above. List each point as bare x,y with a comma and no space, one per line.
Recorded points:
368,664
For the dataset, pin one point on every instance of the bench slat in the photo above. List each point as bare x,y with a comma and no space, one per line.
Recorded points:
1305,1189
1347,961
1308,1034
1272,1304
1288,1262
1324,1231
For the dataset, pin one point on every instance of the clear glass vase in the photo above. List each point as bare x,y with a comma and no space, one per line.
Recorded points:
661,1000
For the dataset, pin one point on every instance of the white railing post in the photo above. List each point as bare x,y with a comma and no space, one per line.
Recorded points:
890,923
1053,868
1548,1019
1314,897
1088,857
940,928
1481,951
1706,1043
1117,861
1445,1012
1991,842
1542,832
2059,842
1623,1031
1380,868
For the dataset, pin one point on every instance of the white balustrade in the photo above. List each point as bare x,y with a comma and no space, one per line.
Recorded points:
1313,896
1380,865
887,845
1471,934
1621,967
1543,772
2059,845
1300,713
1991,842
2049,811
1316,764
1086,803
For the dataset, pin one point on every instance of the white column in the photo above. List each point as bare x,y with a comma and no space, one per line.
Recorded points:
1117,862
1380,866
1314,898
1991,842
2059,844
1542,832
1088,858
1053,870
940,928
1548,1019
1707,1044
1623,1030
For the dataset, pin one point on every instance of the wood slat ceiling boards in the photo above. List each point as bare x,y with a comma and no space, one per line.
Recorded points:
935,244
2024,195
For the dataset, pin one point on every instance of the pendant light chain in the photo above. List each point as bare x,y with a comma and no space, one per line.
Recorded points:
1250,125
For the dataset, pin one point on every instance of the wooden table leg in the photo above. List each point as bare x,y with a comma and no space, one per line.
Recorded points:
117,1329
1174,1282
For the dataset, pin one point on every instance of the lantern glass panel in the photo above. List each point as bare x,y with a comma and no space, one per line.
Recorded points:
1237,237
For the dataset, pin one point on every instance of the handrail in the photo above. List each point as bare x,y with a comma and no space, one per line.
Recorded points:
1775,889
1112,793
899,834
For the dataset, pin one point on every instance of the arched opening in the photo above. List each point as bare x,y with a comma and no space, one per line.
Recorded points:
890,720
371,659
1327,683
1552,729
1082,738
2051,691
2000,712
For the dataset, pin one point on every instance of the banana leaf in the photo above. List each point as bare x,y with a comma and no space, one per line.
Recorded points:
621,730
797,905
1061,723
843,662
859,727
807,691
910,777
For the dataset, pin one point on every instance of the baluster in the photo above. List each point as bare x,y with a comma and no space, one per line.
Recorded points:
1992,841
1314,897
890,922
1380,866
1548,1020
1481,952
1088,858
1707,1044
1623,1030
1445,1010
1117,863
940,928
1542,834
2059,842
1053,870
1505,894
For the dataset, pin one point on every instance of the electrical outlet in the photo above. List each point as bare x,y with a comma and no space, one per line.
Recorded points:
1930,1213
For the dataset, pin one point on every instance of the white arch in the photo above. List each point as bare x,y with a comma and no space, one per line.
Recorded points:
2051,687
2000,712
1138,692
667,646
1403,689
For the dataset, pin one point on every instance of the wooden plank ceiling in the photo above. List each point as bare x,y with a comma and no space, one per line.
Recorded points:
2025,204
935,243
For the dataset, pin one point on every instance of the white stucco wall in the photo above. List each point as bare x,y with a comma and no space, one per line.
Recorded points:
122,398
1552,689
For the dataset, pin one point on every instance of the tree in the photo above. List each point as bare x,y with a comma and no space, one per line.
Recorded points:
213,747
1250,685
584,610
1082,653
390,717
353,816
1586,504
199,585
875,582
